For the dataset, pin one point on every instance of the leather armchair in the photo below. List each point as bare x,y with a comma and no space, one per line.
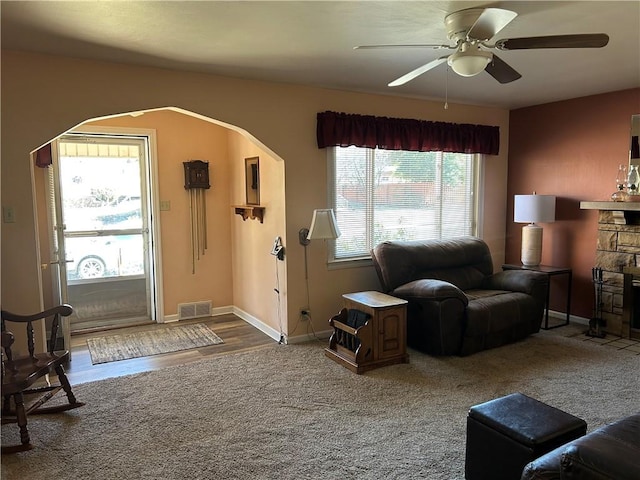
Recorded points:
457,304
608,453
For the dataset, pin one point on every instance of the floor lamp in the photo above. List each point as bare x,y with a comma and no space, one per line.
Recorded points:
323,226
531,209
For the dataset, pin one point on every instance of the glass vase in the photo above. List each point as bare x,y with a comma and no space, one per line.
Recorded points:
632,180
621,179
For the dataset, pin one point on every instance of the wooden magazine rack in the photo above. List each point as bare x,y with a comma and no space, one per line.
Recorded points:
370,332
350,346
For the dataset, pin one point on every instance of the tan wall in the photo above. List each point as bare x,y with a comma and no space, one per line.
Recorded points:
66,92
570,149
256,273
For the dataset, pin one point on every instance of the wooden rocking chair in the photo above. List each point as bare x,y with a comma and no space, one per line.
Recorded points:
19,374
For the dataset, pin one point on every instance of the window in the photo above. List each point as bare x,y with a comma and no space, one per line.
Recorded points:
383,195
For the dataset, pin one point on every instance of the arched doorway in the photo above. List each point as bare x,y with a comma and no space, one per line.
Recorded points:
237,274
102,226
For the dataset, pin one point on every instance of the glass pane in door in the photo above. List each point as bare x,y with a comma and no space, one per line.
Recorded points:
105,239
104,256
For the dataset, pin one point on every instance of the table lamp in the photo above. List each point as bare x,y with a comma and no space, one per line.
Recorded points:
531,209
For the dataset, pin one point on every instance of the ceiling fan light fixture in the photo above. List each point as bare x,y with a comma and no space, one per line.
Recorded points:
468,64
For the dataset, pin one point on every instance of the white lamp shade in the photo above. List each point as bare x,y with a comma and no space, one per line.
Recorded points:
468,64
534,208
323,225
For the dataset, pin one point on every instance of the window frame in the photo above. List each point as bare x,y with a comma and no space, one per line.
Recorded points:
365,260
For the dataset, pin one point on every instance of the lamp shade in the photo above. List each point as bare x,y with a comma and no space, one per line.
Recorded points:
469,63
323,225
534,208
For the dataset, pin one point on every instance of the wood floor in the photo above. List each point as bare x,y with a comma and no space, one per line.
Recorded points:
238,336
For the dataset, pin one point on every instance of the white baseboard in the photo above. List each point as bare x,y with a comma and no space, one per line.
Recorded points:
259,324
324,335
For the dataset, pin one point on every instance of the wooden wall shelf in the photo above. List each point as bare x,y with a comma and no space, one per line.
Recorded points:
250,211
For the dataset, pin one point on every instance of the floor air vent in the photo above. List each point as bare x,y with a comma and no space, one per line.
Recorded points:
194,310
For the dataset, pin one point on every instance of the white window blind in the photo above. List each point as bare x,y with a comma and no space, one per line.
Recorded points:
52,215
383,195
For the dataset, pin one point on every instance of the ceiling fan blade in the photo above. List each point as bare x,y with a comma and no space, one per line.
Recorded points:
422,45
501,71
586,40
490,22
418,71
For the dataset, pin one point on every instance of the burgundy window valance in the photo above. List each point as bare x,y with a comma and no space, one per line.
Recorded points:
43,156
345,129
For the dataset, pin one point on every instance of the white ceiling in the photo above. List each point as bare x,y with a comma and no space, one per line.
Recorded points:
311,43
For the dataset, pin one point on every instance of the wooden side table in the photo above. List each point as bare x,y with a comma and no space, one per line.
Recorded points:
381,341
550,271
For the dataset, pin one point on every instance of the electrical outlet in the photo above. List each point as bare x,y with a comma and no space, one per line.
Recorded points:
305,314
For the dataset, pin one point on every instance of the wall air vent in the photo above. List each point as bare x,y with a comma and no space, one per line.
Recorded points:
194,310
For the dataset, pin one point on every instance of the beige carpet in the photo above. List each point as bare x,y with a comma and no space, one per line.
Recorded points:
153,342
288,412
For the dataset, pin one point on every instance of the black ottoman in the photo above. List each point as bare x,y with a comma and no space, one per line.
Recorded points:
505,434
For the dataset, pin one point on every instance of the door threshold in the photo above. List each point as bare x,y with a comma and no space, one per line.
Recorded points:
106,328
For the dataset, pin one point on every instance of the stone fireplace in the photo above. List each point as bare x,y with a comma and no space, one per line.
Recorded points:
631,300
618,255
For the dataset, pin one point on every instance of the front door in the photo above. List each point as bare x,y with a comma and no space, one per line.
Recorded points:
103,245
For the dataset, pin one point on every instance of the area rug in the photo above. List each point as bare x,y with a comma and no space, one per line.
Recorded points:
288,412
153,342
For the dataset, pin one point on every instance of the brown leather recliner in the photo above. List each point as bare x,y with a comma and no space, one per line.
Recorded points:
609,453
457,305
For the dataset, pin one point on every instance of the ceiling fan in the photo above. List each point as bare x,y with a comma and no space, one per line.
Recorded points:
472,29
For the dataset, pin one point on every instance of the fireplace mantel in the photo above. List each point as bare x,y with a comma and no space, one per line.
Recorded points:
624,213
623,206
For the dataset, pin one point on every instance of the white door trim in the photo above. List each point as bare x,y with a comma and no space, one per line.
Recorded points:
154,193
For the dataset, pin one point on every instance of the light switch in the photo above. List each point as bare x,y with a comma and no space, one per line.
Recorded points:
8,215
165,205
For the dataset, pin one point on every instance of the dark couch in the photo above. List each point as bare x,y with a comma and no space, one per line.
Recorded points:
608,453
457,305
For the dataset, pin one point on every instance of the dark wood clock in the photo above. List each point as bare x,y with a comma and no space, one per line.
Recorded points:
196,174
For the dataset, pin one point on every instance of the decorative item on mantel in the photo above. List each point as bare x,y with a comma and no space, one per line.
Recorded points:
632,183
621,179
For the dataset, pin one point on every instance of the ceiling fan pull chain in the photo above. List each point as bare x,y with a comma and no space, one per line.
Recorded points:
446,89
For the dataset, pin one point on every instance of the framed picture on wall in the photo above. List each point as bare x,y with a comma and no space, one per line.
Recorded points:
252,180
